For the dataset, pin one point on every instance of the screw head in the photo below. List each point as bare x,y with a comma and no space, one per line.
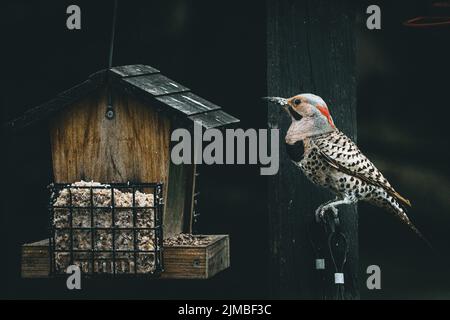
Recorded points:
109,113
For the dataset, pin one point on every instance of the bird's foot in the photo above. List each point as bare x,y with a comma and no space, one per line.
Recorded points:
320,212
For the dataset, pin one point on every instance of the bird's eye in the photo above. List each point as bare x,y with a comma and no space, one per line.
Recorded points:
297,102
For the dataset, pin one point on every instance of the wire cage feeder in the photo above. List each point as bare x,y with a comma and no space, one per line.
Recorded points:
106,229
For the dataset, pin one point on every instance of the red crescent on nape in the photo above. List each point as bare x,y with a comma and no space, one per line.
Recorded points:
324,110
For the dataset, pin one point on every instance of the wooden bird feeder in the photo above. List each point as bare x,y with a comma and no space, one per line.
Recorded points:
115,128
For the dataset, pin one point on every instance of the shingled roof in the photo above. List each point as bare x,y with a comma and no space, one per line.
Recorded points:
142,81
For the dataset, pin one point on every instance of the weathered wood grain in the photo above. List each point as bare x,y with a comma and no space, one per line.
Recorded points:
155,84
188,103
35,260
180,262
197,262
133,70
191,186
176,209
214,119
133,146
310,48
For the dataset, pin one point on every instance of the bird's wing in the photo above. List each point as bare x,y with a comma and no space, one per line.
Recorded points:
342,153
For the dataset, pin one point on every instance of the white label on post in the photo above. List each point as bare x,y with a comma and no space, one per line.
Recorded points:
339,278
320,264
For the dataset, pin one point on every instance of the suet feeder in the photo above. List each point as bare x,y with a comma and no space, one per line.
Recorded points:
115,128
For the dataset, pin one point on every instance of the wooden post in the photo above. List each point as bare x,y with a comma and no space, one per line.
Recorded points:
310,48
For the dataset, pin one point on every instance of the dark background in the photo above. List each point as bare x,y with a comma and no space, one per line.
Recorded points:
218,50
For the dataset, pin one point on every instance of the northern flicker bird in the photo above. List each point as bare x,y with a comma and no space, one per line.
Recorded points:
331,160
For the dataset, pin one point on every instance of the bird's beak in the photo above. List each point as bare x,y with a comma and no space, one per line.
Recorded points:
281,101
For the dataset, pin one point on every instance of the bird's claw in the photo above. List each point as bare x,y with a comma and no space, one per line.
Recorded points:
320,213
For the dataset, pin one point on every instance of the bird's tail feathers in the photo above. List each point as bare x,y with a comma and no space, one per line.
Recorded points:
419,234
400,213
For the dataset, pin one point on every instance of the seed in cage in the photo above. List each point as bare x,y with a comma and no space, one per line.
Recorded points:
143,199
81,259
102,218
62,261
101,198
105,266
82,256
123,218
102,262
124,240
124,266
103,240
123,198
145,218
145,263
85,266
81,218
91,208
82,239
146,240
123,260
60,218
184,239
62,239
81,197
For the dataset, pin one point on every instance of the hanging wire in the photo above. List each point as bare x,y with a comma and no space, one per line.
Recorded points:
113,34
109,109
317,237
327,235
338,246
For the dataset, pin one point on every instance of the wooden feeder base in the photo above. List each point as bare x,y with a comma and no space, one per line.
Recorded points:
35,260
180,262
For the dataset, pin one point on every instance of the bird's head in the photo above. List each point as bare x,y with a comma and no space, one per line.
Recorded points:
308,109
306,105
